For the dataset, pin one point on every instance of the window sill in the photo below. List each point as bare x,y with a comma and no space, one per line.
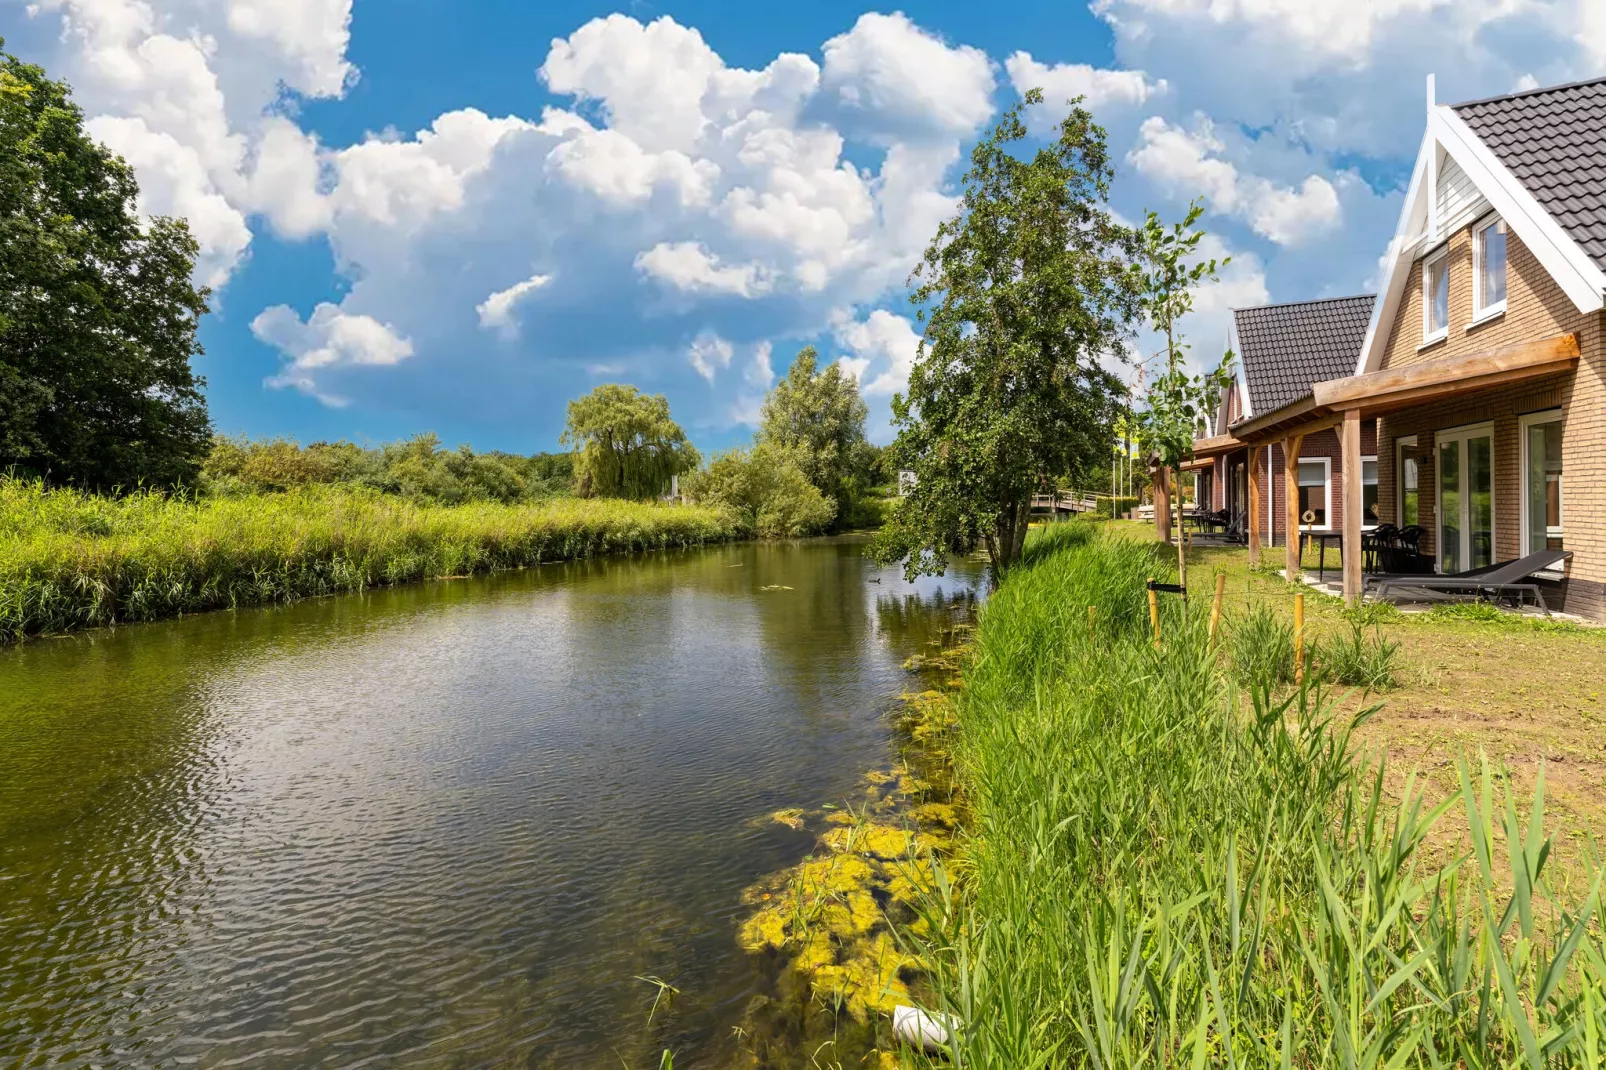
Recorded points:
1435,340
1488,315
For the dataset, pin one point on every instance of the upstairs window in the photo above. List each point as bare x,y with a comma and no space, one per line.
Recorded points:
1435,298
1489,269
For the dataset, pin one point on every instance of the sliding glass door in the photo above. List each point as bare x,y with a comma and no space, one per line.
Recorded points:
1466,499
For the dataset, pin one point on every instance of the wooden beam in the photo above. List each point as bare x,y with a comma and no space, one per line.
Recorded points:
1350,458
1448,375
1291,448
1256,493
1439,391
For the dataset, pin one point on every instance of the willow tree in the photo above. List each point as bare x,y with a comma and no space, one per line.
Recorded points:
1024,295
625,444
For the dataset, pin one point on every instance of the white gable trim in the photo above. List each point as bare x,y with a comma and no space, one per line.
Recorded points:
1415,217
1572,268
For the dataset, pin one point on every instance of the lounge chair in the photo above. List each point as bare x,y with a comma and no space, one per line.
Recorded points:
1504,577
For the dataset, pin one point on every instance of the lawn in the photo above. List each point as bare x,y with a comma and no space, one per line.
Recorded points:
1522,690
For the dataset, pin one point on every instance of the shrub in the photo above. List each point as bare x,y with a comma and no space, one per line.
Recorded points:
1261,648
1120,507
766,488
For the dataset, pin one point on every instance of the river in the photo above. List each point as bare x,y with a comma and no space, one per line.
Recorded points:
453,824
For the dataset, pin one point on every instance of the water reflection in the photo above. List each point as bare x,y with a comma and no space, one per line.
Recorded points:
453,823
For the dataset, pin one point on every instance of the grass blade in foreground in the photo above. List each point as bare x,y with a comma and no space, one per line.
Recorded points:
1158,876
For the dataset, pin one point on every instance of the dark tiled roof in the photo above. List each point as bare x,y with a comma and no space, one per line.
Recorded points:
1286,349
1554,141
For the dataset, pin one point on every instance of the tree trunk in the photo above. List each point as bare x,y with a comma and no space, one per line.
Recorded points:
1008,536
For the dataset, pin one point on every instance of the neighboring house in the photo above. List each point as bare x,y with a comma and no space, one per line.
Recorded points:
1283,351
1483,361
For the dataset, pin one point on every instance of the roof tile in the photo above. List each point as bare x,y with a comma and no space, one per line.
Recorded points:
1286,349
1554,142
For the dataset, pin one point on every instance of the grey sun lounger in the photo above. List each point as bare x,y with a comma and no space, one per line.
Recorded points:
1504,578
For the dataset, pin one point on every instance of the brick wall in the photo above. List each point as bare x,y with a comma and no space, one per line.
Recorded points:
1321,444
1536,308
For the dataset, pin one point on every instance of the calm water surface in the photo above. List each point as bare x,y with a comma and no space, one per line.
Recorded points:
448,825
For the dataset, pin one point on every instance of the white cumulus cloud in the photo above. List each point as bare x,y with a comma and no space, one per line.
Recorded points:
882,349
496,311
690,267
900,79
329,339
1182,162
709,353
1101,87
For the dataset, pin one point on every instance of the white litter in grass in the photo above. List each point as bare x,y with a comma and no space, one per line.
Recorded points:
926,1031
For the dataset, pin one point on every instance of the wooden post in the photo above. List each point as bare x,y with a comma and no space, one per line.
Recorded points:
1215,607
1299,639
1350,458
1291,482
1256,493
1154,613
1162,503
1092,617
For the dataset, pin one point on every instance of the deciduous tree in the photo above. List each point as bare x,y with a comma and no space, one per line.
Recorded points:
1024,294
97,308
817,417
1176,400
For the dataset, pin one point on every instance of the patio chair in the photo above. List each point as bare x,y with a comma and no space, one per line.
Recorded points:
1501,578
1376,545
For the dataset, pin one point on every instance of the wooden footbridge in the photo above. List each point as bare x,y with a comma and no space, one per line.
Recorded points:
1063,503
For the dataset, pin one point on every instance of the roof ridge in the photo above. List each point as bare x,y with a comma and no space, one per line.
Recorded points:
1311,301
1537,91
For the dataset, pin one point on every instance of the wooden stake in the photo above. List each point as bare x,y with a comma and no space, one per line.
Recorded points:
1154,612
1215,607
1092,616
1299,640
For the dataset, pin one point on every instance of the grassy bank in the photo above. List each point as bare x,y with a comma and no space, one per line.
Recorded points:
71,560
1157,874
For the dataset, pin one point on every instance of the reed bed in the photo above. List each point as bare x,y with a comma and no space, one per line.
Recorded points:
1157,876
72,560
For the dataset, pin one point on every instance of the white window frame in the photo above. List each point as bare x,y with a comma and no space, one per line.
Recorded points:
1327,486
1461,434
1401,444
1378,483
1549,416
1429,335
1480,312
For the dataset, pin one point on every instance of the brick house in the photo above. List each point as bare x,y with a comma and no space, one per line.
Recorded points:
1483,363
1282,352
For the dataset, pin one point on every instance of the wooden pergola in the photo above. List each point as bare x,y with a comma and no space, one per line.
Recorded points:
1344,403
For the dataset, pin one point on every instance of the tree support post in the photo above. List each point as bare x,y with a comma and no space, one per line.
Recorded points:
1350,458
1291,483
1256,494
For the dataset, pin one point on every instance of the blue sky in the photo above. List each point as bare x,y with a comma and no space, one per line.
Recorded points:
425,215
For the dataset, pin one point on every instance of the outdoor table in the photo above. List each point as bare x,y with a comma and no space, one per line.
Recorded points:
1321,537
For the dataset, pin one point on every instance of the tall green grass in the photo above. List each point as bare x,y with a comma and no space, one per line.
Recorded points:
1156,877
71,560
